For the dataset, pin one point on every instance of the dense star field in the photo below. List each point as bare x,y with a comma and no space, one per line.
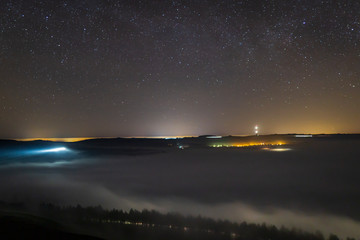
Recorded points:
130,68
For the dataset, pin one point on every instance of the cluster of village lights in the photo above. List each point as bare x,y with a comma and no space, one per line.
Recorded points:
251,144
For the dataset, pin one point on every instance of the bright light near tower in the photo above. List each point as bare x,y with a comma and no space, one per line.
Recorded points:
256,130
54,150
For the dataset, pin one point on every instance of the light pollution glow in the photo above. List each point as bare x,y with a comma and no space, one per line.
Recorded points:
249,144
54,139
78,139
54,150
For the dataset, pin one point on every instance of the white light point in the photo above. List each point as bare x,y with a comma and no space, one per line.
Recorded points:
54,150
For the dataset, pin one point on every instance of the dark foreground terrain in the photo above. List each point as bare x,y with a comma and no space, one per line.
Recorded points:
53,222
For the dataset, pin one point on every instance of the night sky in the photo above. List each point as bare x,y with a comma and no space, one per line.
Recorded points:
152,68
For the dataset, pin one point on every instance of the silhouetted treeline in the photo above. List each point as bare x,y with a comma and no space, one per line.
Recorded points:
145,224
154,225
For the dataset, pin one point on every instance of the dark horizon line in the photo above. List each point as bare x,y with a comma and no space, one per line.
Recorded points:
78,139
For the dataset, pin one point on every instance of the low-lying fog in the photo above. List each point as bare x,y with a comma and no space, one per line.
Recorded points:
312,186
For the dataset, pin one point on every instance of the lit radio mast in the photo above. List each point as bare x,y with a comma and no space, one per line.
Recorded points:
256,130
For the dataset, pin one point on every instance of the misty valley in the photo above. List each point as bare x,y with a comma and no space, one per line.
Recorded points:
300,187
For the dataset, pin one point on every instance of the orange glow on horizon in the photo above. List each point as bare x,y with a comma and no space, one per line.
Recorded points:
78,139
53,139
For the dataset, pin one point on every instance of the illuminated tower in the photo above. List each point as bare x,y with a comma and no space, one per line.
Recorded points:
256,130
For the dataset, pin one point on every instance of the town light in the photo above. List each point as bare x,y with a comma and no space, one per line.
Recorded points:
54,150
